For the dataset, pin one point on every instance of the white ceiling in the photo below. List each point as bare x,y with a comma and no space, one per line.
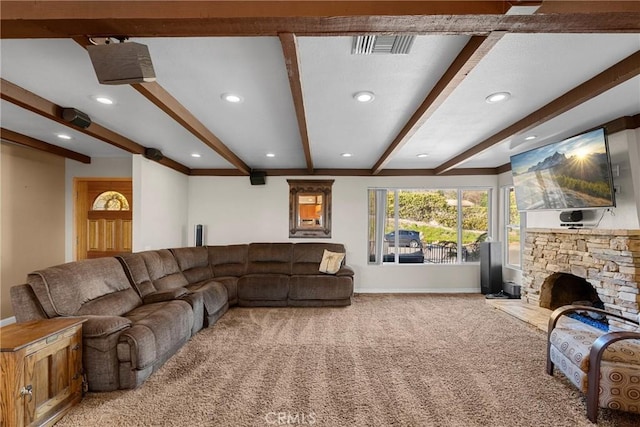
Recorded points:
535,68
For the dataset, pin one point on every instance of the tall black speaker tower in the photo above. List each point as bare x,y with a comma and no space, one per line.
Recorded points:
199,235
490,267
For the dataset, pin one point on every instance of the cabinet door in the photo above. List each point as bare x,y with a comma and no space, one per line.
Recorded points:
53,374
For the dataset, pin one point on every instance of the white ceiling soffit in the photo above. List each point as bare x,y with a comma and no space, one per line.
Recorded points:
331,75
35,126
60,71
197,71
535,69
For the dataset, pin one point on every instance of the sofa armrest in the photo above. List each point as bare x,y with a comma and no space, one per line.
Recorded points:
102,326
167,295
345,270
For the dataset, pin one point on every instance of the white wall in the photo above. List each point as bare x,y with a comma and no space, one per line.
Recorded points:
233,211
634,157
98,168
160,197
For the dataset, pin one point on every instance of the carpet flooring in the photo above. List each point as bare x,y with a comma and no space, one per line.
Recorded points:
387,360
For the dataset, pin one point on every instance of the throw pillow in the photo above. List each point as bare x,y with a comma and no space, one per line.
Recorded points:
331,262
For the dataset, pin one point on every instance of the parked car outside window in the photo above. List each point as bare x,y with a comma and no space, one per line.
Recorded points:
406,238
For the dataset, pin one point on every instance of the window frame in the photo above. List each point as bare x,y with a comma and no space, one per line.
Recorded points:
459,226
507,227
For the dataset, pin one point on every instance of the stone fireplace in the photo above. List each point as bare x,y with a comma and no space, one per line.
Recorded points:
608,259
560,289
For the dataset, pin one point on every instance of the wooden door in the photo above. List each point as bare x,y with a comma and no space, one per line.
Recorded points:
104,211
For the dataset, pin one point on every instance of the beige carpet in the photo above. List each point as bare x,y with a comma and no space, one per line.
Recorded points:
388,360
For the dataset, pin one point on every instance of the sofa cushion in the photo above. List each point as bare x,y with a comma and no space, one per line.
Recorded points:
270,258
163,269
264,287
92,286
320,287
194,263
307,256
153,271
228,260
137,273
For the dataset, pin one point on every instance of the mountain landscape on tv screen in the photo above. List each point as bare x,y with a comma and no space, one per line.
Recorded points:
562,181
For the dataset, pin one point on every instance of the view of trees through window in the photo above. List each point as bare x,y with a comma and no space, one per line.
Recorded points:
432,226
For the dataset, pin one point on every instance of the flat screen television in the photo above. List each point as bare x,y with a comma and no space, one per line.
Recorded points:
570,174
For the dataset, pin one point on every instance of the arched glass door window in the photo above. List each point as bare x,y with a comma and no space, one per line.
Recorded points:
110,201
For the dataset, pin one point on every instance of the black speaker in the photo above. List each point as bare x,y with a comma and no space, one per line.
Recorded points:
199,235
490,267
153,154
571,216
258,177
76,117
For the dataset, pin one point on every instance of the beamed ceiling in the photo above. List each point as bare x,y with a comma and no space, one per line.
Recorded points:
568,66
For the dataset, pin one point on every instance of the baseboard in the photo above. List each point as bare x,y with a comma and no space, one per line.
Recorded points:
419,291
8,321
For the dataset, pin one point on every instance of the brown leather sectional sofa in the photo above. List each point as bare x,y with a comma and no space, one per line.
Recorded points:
142,307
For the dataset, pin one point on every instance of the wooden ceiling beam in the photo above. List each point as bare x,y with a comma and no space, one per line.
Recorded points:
467,59
225,9
162,99
56,19
47,109
347,172
159,96
290,50
609,78
27,141
587,6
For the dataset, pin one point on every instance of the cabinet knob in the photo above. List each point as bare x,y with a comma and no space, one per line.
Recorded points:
75,347
28,390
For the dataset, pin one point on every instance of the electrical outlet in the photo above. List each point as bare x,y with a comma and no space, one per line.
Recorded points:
616,189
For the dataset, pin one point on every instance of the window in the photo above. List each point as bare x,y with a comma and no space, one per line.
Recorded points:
110,201
514,227
435,226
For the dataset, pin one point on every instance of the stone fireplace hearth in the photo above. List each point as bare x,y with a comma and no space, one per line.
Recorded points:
608,259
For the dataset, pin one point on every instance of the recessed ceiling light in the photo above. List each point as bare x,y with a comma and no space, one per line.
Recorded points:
103,100
422,155
64,136
364,96
270,155
231,97
530,137
497,97
195,155
346,154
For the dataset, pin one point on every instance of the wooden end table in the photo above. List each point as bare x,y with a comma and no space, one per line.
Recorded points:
41,371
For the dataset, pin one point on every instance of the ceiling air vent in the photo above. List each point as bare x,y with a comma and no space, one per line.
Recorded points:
366,45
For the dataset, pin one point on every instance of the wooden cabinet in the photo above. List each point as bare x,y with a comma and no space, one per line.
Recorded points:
41,367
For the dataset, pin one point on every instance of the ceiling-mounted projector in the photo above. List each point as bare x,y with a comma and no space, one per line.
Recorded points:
122,63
